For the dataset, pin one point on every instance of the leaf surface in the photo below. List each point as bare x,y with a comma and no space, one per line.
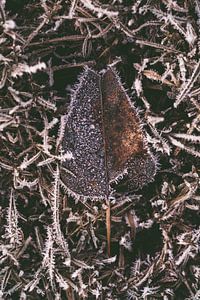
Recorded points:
104,135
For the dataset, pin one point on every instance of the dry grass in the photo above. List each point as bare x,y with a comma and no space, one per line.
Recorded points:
53,247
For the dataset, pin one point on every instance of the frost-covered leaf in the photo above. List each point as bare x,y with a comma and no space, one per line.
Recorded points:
104,134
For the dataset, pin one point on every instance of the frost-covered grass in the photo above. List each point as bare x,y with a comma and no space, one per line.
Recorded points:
51,245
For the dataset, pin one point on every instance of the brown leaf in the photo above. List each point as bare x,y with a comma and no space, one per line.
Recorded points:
104,137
